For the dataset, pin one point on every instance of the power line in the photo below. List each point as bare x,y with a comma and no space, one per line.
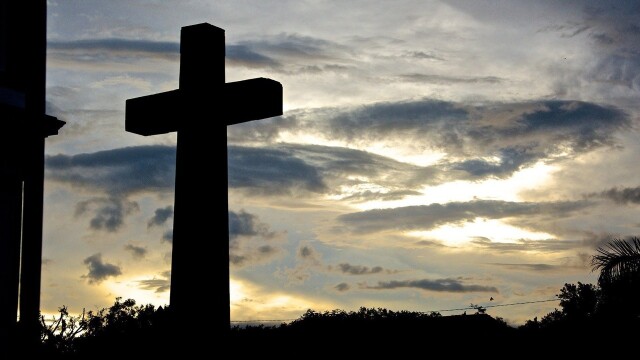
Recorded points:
496,305
421,312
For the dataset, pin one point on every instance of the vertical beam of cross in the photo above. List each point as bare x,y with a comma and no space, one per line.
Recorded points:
22,107
200,111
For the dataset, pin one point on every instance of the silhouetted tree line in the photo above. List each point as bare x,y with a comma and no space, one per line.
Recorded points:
609,310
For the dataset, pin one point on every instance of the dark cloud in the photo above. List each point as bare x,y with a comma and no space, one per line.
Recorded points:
291,54
250,240
425,217
120,171
99,270
306,252
389,118
243,55
448,80
430,243
307,259
271,172
161,216
349,269
298,47
369,195
342,287
160,285
423,55
549,245
90,53
117,45
580,124
339,165
510,160
168,236
246,224
527,267
440,285
485,141
137,252
108,213
623,196
288,169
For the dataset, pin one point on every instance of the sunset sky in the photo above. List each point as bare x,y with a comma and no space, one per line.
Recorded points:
432,154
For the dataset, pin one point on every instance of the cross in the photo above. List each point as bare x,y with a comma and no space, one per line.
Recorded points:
22,112
200,110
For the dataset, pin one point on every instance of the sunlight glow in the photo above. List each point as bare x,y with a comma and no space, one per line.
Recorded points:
462,191
251,302
461,234
131,287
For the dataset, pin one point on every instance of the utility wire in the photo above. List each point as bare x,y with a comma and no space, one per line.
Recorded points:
421,312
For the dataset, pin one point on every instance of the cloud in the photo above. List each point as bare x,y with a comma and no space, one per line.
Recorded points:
440,285
118,173
444,79
119,53
168,236
527,267
511,159
307,259
622,196
479,141
271,171
423,55
250,240
161,216
121,171
99,270
158,285
369,195
426,217
430,243
108,213
296,48
349,269
117,45
549,245
245,224
243,55
342,287
137,252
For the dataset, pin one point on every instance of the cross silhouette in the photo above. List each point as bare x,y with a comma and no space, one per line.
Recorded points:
200,111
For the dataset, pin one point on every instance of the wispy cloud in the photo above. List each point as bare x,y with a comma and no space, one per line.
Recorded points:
250,240
622,196
439,285
307,259
138,252
527,267
350,269
426,217
158,285
108,213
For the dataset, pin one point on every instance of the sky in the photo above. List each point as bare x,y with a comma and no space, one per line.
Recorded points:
431,154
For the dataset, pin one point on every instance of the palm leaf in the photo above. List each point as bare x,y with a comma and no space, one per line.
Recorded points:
618,259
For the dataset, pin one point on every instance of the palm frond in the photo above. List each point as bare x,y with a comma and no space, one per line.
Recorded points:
617,259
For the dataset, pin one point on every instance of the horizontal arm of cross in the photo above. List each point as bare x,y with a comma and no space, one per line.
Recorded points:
22,124
232,103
